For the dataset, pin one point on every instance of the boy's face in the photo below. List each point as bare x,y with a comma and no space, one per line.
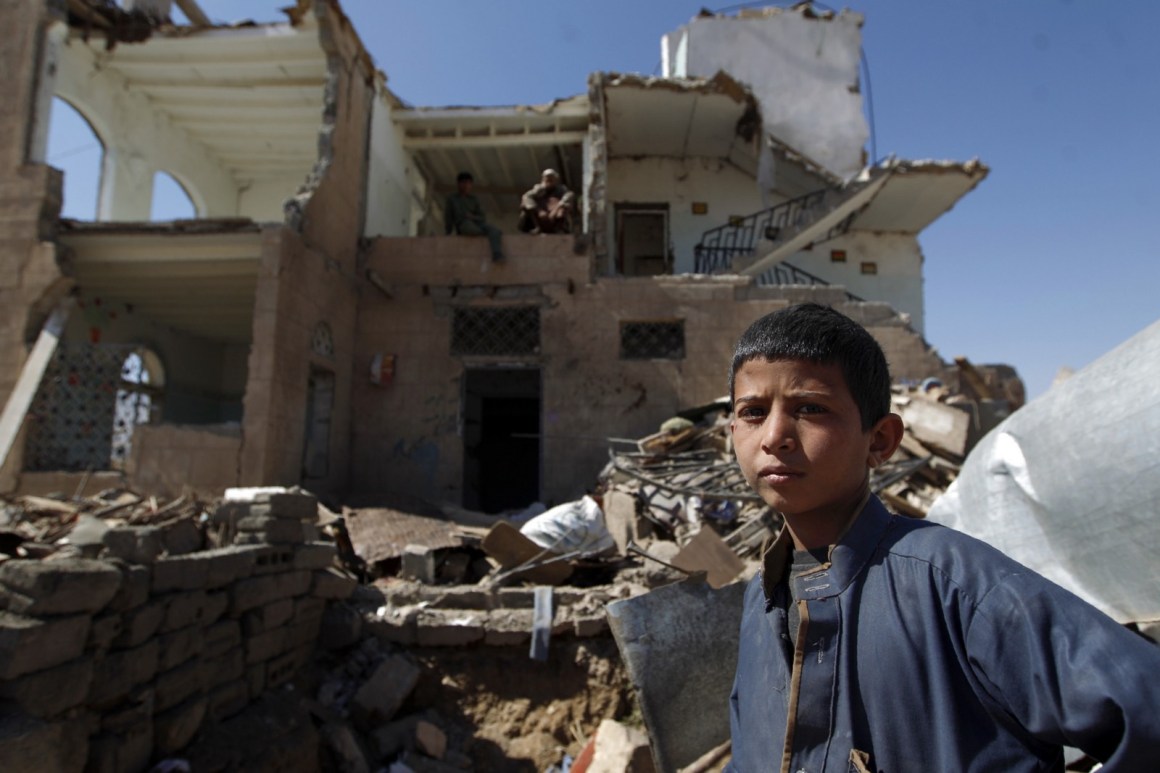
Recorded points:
798,436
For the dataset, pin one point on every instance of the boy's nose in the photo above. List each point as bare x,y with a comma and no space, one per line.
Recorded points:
779,434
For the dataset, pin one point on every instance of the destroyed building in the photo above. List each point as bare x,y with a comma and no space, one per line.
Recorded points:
312,325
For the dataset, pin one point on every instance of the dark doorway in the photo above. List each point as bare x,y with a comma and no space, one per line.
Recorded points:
501,438
319,406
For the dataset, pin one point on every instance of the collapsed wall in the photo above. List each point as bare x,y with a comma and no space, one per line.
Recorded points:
113,662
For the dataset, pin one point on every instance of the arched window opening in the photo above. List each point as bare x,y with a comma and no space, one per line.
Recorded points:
75,148
171,201
138,400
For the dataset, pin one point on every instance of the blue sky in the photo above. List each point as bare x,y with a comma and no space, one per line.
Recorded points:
1050,262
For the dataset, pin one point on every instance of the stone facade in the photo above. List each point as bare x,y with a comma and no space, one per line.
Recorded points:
111,663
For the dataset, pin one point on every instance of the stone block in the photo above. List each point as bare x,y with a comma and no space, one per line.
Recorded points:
267,617
59,587
282,668
308,607
341,627
227,667
134,589
380,696
256,679
226,565
28,743
52,691
176,685
104,631
314,555
227,700
333,584
346,748
182,537
182,610
187,572
30,644
430,739
258,591
122,753
135,544
418,564
266,645
177,647
120,671
273,531
401,630
299,507
270,558
501,638
584,627
134,711
175,728
137,625
221,637
215,607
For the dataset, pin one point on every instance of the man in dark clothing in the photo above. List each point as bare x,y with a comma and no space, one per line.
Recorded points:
463,215
548,207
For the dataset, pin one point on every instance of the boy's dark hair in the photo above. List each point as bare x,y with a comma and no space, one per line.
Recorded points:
821,335
464,176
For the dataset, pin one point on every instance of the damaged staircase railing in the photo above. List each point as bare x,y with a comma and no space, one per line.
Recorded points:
719,246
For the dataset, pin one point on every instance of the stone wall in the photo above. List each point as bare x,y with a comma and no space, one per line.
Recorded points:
170,459
110,663
408,433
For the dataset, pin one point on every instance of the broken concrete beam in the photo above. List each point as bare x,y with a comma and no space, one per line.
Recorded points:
29,644
939,426
58,587
379,698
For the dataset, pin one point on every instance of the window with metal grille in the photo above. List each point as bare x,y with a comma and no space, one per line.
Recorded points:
652,340
502,330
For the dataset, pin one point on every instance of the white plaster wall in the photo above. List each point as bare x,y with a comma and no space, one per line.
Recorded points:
139,141
804,73
263,201
899,278
395,189
680,182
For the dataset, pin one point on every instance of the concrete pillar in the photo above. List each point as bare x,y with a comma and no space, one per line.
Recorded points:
126,186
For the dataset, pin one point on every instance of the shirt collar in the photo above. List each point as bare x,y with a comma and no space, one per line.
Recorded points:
846,558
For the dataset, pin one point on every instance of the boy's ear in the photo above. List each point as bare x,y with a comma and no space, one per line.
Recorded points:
884,439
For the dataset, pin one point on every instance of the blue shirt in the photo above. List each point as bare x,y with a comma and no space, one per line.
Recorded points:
923,649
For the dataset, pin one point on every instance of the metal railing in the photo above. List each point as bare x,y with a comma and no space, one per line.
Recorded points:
739,236
788,274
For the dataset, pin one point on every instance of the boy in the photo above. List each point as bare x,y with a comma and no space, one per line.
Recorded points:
871,642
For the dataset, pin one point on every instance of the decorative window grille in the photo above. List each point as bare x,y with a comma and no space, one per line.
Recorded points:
652,340
496,331
322,341
89,401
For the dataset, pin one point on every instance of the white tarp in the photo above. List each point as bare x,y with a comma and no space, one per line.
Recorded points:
1069,485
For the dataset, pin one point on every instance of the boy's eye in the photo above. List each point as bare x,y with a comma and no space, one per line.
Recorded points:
751,413
811,408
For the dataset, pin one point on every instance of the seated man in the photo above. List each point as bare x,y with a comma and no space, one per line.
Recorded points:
547,208
463,215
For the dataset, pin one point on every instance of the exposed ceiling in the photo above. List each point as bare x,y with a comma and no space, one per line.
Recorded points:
680,118
201,282
253,96
504,148
918,193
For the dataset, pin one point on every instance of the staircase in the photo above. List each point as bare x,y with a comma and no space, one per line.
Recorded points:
758,244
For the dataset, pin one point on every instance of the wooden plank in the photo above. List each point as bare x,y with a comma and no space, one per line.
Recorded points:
507,545
16,408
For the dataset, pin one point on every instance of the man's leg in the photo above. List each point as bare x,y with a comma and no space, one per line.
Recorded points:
495,239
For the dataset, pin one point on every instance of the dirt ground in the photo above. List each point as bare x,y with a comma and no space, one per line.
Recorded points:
508,712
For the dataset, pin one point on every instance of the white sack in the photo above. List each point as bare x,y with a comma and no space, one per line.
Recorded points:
1069,485
570,527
